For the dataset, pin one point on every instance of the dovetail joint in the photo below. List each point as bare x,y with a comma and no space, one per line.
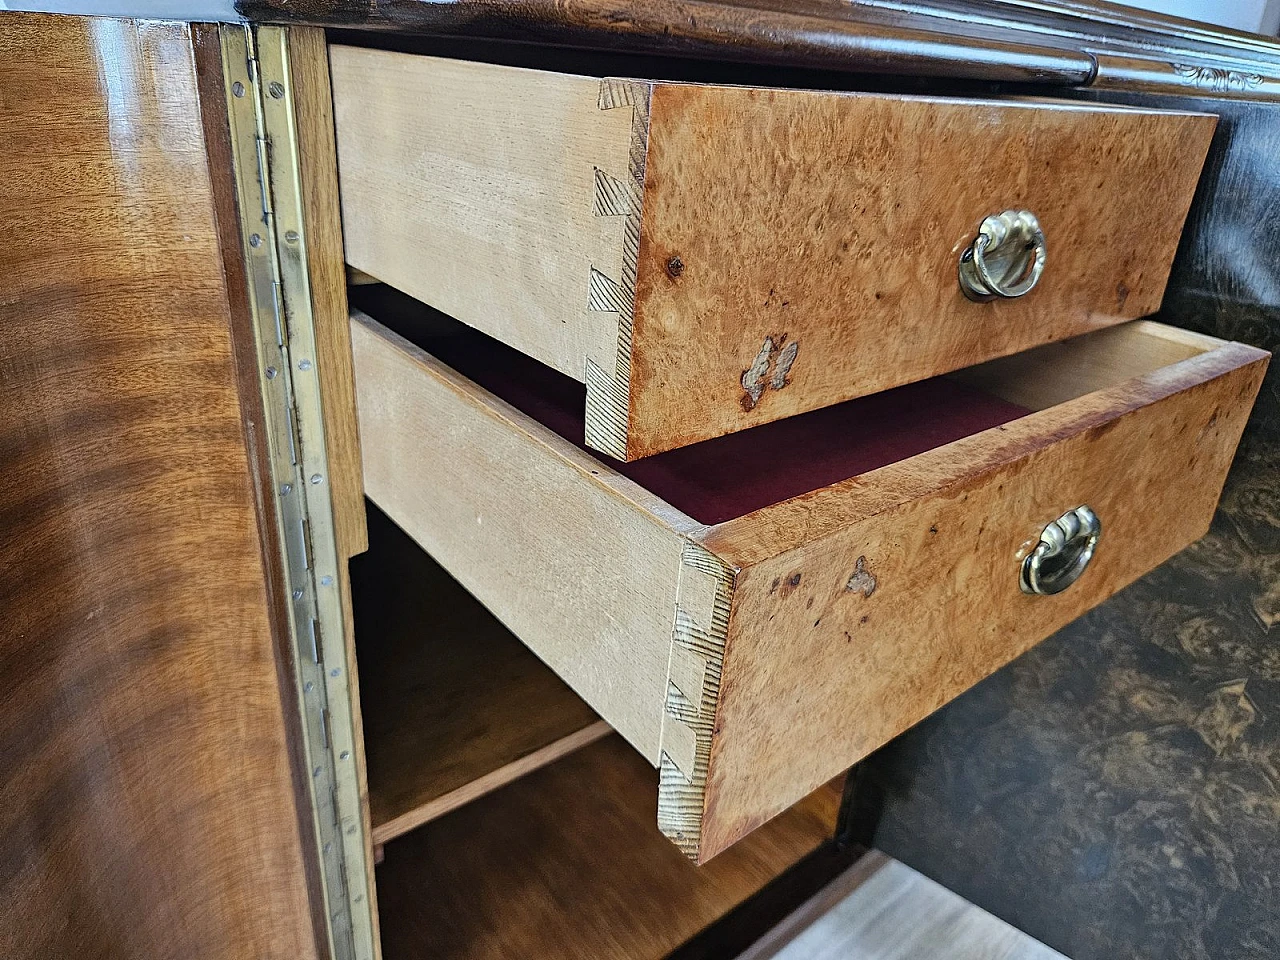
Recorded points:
609,391
701,633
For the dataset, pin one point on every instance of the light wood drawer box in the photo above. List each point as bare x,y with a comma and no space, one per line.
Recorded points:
754,649
710,258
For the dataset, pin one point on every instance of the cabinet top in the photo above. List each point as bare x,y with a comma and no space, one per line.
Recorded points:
1038,42
1057,42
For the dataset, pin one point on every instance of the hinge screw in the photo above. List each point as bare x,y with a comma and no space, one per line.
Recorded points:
297,594
345,755
276,89
326,581
304,364
272,373
255,241
291,236
237,88
316,478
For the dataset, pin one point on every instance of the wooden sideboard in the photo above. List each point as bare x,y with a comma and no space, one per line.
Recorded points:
195,768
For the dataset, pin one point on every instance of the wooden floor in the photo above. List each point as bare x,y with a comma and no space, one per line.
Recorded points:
881,909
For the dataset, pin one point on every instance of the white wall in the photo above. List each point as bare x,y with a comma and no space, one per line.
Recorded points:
147,9
1259,16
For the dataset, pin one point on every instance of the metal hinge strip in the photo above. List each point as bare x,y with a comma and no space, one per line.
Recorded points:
264,147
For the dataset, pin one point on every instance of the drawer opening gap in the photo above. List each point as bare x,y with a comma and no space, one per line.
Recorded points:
733,475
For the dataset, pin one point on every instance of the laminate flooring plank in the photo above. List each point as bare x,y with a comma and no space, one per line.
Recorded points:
884,910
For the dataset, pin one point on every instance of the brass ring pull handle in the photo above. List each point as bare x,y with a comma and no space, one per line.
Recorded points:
1066,546
1005,259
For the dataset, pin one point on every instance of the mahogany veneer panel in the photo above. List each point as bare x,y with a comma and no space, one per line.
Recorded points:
147,806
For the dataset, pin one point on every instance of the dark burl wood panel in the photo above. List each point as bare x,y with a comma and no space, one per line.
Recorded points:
147,806
1115,792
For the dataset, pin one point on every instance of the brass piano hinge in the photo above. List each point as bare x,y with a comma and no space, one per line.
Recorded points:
264,147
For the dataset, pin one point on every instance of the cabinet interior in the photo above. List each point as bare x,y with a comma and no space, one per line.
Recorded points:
512,821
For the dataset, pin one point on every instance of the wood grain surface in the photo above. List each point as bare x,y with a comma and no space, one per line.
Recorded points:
796,33
1066,42
1058,372
576,560
602,228
835,230
583,871
502,166
326,264
455,705
148,808
899,590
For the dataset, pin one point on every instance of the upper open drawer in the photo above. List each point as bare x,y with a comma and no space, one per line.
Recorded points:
710,258
758,612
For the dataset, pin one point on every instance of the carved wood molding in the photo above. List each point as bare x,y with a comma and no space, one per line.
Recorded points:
1056,42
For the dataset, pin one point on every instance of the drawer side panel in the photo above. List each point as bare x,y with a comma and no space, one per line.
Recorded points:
503,197
586,578
837,646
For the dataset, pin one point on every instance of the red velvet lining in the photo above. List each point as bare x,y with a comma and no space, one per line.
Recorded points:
731,476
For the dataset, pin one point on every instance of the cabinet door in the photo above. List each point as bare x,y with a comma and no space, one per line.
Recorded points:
147,803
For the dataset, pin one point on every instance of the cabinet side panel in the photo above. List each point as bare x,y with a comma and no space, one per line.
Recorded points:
148,808
317,155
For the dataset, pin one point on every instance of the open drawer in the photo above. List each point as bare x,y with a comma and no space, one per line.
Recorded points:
758,612
710,258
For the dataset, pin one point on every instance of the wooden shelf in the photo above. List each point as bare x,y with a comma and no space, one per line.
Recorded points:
568,862
454,705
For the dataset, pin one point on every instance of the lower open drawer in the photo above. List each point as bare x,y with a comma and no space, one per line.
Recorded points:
758,612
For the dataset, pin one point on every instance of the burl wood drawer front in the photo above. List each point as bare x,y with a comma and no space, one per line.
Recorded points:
709,258
754,658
